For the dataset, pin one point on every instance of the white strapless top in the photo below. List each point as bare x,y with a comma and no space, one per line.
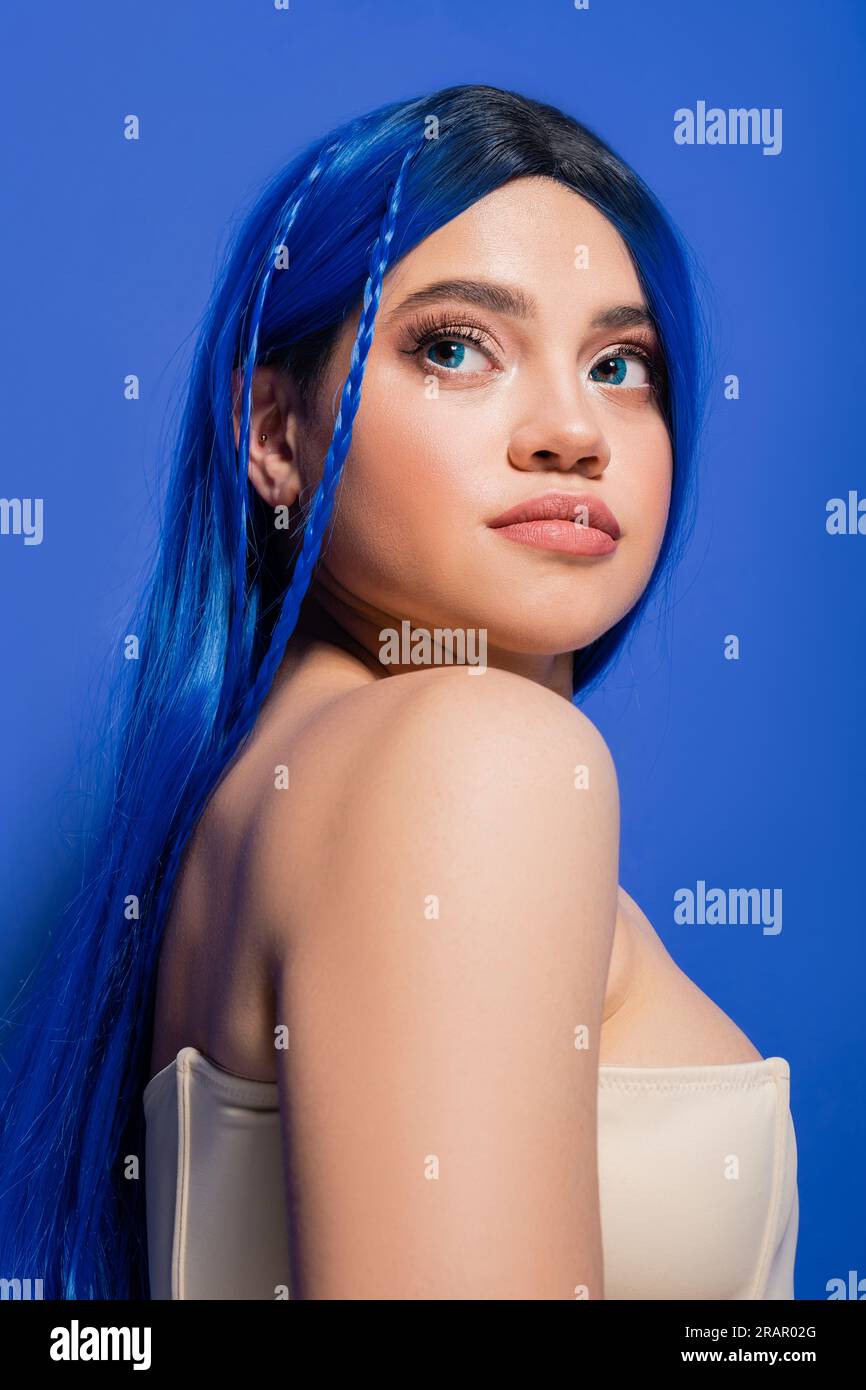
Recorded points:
697,1182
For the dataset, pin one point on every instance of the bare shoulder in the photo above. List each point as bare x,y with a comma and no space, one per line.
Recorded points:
446,700
493,762
442,718
438,718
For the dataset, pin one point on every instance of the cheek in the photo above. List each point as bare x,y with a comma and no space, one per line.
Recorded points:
647,474
657,492
412,480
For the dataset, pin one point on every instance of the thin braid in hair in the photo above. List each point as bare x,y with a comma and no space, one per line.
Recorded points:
321,506
286,222
322,502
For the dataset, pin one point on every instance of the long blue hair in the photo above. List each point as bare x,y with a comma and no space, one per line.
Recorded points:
223,601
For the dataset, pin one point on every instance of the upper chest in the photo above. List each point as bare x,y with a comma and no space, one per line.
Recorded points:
655,1015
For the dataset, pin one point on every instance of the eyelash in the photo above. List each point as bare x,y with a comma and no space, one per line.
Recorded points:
430,330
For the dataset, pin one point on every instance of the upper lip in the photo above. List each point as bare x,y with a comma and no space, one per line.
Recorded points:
561,506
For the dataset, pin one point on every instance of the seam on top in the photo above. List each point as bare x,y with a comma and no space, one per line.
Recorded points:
259,1095
184,1142
741,1083
265,1094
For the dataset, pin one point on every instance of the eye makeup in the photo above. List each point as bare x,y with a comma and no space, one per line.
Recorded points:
432,328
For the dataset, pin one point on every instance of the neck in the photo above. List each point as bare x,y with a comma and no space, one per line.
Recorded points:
334,620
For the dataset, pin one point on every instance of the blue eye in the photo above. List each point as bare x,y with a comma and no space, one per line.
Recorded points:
451,354
452,348
617,364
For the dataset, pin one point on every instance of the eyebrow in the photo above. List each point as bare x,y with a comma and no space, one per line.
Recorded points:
513,301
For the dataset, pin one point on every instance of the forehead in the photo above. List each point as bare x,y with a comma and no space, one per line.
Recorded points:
536,232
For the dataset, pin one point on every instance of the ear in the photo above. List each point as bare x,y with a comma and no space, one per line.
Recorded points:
274,412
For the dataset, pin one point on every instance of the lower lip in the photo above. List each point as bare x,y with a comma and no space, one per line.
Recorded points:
567,537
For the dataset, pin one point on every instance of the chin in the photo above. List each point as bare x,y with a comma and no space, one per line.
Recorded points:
539,625
526,636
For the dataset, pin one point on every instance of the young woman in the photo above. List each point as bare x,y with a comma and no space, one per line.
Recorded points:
354,934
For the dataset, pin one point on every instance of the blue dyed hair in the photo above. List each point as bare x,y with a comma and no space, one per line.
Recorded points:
223,602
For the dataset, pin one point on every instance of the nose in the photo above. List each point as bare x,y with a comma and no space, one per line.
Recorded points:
563,436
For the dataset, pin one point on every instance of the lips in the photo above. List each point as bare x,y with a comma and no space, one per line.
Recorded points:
562,506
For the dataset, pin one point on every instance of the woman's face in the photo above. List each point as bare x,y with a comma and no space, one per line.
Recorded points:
469,408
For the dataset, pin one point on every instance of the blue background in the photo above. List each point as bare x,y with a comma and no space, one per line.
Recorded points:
746,773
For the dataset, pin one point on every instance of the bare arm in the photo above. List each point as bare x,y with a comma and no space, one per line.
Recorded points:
439,1121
